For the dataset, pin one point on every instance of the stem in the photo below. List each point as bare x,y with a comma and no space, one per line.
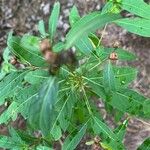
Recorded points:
102,35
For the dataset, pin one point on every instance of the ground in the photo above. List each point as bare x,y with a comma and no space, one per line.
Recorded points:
22,16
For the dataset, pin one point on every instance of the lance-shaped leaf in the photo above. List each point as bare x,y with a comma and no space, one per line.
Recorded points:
53,20
64,108
41,28
87,24
138,26
41,108
10,83
9,113
25,54
84,45
36,76
74,15
121,130
129,101
58,47
101,127
124,55
137,7
72,142
109,81
40,147
124,75
145,145
13,142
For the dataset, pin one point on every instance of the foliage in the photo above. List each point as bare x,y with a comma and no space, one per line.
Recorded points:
54,89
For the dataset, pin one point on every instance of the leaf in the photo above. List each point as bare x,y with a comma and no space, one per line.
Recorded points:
7,142
146,107
58,47
41,108
41,28
121,130
31,43
129,101
107,8
56,133
84,45
71,143
124,55
36,76
109,78
74,15
124,75
10,83
54,19
87,24
137,7
64,108
26,55
138,26
24,97
145,145
13,142
9,113
6,54
40,147
104,53
100,127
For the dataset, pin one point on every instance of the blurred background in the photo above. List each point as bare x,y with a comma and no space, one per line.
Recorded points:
22,17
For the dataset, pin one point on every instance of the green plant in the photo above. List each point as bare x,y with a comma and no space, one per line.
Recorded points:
57,97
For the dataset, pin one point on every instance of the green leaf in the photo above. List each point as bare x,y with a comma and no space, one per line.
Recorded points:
124,75
31,43
71,143
10,83
24,97
13,142
124,55
87,24
7,142
9,113
146,107
36,76
56,132
145,145
121,130
74,15
100,127
58,47
129,101
41,28
107,8
137,7
26,55
64,108
84,45
138,26
6,54
43,148
54,19
41,108
109,78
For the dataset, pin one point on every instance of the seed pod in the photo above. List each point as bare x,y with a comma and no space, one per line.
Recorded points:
113,56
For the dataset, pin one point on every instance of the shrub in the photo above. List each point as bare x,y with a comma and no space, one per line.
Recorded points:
54,88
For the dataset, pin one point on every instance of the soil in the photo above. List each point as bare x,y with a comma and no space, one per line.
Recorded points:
22,16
